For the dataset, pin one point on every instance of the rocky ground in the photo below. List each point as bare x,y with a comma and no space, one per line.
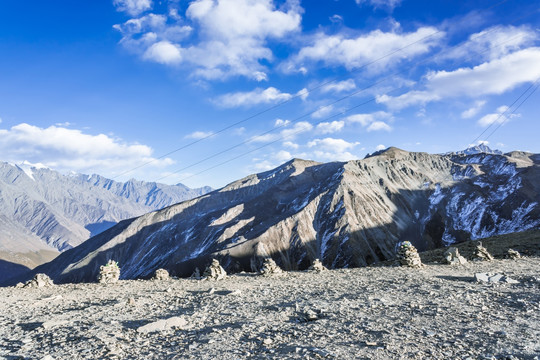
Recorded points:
436,312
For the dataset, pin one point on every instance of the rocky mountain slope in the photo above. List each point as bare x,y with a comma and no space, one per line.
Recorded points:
345,213
43,212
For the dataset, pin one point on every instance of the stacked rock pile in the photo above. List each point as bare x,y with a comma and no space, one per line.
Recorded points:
109,273
40,280
196,274
161,274
481,253
408,255
317,266
452,257
513,254
214,271
270,268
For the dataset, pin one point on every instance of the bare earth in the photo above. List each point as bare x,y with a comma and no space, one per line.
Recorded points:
437,312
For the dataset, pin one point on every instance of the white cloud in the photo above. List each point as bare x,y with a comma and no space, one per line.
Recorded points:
374,47
372,122
379,125
331,149
494,42
387,4
500,116
281,123
340,86
304,93
380,147
492,77
322,111
163,52
251,98
0,120
72,150
288,134
297,129
230,38
291,145
199,135
133,7
283,155
330,127
478,105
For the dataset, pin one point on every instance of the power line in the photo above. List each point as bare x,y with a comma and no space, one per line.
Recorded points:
312,112
300,94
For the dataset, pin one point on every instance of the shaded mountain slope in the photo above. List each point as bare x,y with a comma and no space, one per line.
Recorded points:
43,212
347,214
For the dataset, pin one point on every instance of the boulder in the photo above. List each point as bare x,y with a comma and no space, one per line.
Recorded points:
513,254
161,274
40,280
452,257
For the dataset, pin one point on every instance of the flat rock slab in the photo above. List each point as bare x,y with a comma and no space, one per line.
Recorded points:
494,278
176,322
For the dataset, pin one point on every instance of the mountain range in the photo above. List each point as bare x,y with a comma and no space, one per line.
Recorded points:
43,212
347,214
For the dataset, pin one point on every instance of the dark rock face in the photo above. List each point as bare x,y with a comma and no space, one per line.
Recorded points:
346,214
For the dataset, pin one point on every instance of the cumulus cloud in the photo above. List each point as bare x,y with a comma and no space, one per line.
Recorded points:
385,4
252,98
330,127
372,122
331,149
287,134
70,149
322,111
199,135
133,7
380,147
355,52
492,77
501,115
469,113
231,36
340,86
493,43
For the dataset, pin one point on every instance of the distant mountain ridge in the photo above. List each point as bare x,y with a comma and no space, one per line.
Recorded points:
345,213
43,212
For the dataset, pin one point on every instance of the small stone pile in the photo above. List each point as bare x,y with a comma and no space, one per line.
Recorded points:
452,257
196,274
161,274
317,266
408,255
481,253
214,271
109,273
270,268
513,254
39,281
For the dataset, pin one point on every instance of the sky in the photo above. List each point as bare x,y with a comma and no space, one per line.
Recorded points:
205,92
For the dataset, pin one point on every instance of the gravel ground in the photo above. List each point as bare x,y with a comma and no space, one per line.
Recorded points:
437,312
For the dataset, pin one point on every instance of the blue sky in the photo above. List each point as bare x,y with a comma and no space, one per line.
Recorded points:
205,92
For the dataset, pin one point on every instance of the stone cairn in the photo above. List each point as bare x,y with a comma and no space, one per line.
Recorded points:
513,254
39,281
452,257
270,268
214,271
161,274
109,273
481,253
196,274
408,255
317,266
